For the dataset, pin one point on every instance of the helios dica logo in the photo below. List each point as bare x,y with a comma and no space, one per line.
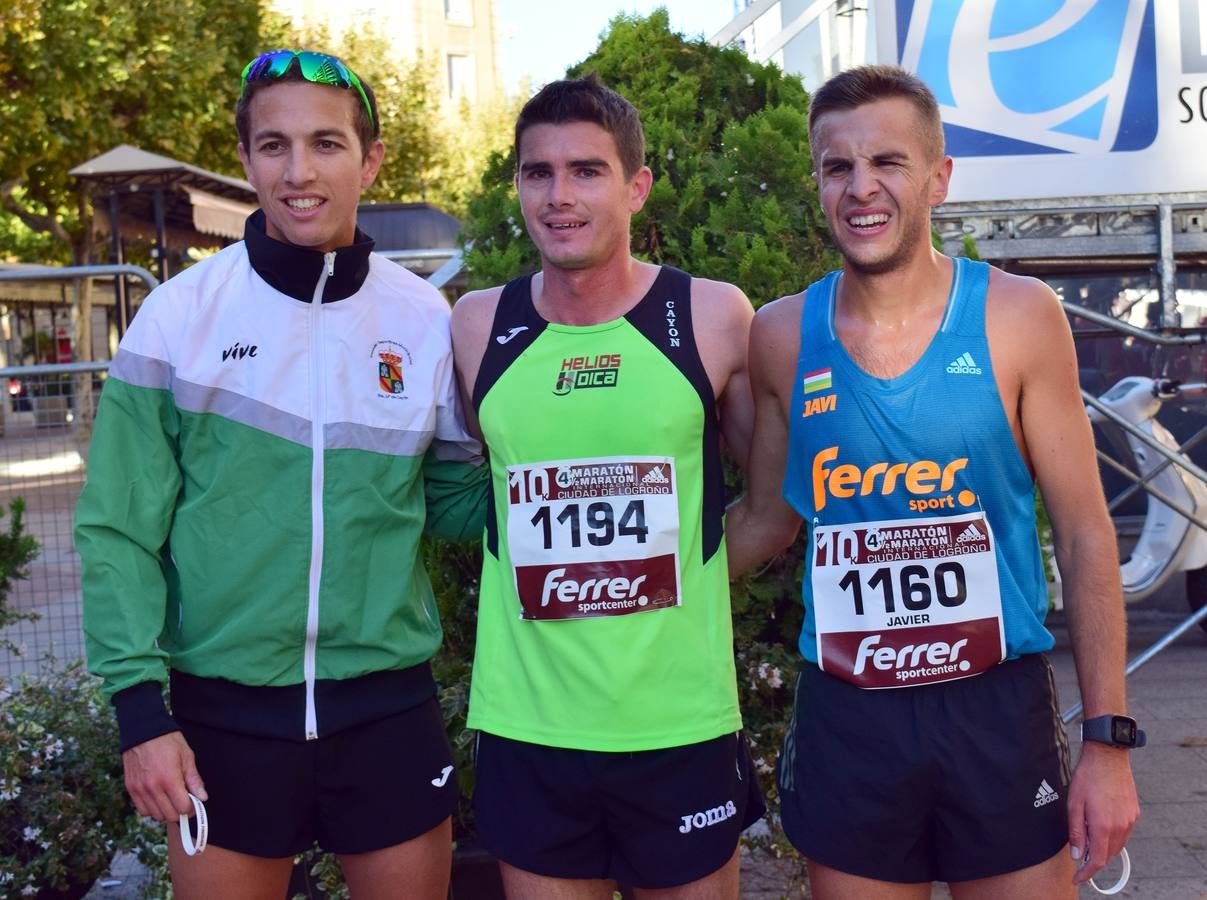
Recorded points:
1019,77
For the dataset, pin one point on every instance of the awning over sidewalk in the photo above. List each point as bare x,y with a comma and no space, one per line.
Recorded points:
218,215
153,197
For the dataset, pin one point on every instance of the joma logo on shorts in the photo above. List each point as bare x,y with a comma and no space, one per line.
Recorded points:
713,816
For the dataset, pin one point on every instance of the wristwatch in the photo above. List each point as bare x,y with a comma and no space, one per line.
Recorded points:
1118,731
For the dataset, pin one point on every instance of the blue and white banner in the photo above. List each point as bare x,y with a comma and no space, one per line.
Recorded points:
1060,98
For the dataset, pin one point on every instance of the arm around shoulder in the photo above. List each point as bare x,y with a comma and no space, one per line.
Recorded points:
721,316
473,316
762,523
457,486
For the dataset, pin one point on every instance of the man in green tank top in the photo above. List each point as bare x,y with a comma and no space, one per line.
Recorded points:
604,688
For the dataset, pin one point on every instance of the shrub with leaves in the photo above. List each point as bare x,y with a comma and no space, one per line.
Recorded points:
727,140
17,551
64,810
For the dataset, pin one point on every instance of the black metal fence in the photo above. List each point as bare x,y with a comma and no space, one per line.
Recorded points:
45,429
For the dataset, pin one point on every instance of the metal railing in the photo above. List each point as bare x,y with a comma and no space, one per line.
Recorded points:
45,430
1139,482
44,434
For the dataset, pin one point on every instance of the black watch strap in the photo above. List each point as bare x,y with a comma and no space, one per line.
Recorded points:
1117,731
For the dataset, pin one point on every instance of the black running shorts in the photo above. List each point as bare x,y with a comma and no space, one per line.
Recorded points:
649,819
363,788
947,782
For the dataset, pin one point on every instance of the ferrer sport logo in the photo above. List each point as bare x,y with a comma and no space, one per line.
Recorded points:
597,371
1017,77
925,484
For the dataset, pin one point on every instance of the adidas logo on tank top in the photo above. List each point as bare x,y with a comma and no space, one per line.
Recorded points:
964,365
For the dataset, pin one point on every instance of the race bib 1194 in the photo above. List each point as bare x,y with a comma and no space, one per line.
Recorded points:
594,537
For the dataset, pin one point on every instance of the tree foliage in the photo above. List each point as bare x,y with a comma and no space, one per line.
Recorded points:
430,155
79,77
17,550
727,141
82,76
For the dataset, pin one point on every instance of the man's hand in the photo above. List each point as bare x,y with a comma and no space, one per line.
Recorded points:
160,774
1103,807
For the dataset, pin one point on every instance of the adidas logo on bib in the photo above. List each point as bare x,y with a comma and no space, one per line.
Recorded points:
971,533
963,366
655,476
1045,795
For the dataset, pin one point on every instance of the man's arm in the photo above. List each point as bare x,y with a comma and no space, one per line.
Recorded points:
721,317
456,481
1029,331
762,523
123,519
473,315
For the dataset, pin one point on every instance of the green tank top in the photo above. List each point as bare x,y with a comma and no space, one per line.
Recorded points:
604,620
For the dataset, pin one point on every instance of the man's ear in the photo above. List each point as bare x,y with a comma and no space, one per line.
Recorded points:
639,187
372,162
940,181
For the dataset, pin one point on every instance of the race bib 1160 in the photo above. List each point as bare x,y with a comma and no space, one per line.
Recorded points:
907,602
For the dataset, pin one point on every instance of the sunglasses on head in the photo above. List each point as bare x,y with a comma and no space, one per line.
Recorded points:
317,68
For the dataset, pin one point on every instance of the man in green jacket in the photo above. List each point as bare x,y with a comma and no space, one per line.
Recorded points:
278,426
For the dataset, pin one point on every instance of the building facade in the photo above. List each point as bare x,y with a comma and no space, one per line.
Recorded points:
810,38
459,36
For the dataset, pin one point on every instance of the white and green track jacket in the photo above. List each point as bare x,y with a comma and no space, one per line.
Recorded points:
256,488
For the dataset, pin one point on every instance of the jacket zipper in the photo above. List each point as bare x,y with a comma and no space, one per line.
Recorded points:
318,414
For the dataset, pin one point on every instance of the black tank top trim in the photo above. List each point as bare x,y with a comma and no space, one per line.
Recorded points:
664,318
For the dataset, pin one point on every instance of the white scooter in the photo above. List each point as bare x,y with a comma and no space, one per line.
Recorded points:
1169,542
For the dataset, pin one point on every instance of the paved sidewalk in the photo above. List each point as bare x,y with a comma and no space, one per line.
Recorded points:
1169,697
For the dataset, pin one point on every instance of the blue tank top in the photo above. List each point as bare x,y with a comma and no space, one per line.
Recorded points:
916,466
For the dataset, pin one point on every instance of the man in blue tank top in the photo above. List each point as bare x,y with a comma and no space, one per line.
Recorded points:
912,402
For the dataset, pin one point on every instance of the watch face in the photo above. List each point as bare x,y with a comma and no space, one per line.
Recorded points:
1123,731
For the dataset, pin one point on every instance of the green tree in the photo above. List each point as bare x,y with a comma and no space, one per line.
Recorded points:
82,76
17,551
727,141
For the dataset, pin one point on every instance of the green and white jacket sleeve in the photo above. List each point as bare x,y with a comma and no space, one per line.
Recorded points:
455,480
123,520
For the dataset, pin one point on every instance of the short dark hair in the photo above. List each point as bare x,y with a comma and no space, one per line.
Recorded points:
867,84
587,100
367,130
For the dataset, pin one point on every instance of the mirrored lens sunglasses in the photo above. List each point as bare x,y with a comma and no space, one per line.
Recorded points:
317,68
